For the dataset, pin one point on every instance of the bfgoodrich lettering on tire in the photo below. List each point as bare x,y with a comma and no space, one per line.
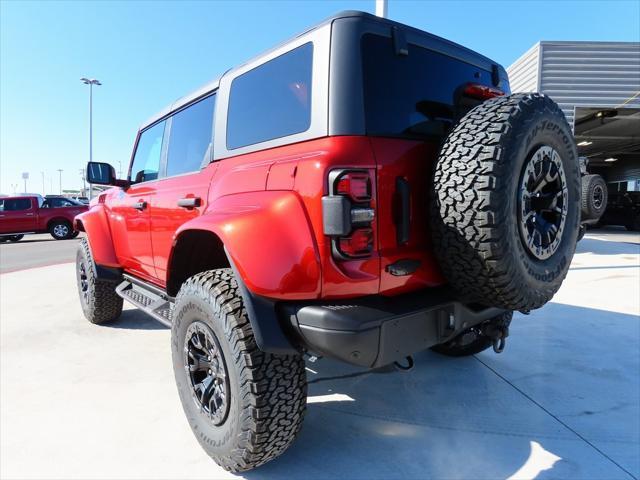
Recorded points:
505,202
245,407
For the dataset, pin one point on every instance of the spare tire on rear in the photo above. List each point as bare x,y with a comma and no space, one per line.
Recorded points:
505,202
594,197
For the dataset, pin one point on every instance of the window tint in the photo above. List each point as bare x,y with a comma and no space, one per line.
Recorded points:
16,204
190,137
413,95
272,100
146,162
60,202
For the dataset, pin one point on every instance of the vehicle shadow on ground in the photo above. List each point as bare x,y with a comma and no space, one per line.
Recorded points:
467,418
134,319
605,247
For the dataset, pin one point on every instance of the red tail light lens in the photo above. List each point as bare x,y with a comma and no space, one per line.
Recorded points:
356,185
482,92
360,243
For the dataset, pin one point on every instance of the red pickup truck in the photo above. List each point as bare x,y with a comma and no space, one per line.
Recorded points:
35,214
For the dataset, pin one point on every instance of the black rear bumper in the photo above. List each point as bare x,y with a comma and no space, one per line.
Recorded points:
376,331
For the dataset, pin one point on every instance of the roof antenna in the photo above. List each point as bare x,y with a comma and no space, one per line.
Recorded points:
381,8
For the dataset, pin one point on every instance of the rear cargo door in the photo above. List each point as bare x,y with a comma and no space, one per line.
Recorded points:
412,100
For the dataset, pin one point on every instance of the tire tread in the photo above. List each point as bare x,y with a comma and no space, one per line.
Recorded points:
273,388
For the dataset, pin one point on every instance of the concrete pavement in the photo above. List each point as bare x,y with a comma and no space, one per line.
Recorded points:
36,251
562,401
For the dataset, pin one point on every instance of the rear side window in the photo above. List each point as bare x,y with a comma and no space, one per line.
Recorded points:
412,95
146,161
272,100
60,202
190,138
16,204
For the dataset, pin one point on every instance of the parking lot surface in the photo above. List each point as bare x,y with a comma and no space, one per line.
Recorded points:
562,401
36,251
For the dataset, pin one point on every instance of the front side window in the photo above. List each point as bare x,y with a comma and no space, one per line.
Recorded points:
190,138
271,101
146,162
17,204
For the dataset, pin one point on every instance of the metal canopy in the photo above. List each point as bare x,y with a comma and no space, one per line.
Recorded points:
603,133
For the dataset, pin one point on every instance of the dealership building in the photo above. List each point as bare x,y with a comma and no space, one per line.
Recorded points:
597,85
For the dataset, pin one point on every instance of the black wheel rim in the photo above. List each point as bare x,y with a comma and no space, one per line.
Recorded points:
207,371
598,197
543,203
84,281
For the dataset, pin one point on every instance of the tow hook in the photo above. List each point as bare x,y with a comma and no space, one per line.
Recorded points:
405,367
498,333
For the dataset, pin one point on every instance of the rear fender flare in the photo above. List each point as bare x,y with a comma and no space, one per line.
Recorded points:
268,238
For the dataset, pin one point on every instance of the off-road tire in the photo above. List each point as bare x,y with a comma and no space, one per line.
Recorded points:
61,230
100,303
471,341
592,207
268,392
475,196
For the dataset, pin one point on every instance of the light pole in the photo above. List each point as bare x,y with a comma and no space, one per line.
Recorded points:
60,172
84,184
91,82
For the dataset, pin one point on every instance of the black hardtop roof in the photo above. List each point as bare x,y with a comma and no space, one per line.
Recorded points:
212,85
393,23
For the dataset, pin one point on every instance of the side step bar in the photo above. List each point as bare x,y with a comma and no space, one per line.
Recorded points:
148,298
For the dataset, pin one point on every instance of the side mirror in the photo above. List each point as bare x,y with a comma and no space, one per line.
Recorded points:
101,173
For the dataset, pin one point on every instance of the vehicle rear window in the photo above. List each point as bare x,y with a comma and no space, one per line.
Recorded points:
271,101
58,203
412,95
190,137
16,204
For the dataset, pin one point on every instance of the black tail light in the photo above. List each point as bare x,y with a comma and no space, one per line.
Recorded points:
348,214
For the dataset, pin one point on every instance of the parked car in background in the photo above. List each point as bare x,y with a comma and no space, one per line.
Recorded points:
82,200
593,197
623,209
34,214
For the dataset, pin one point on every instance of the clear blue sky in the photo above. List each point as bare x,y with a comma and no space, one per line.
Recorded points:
149,53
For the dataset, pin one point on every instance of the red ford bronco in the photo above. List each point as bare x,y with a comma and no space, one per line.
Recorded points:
34,214
363,191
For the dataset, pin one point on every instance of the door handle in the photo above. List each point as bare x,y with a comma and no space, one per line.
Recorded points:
190,202
141,205
28,214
